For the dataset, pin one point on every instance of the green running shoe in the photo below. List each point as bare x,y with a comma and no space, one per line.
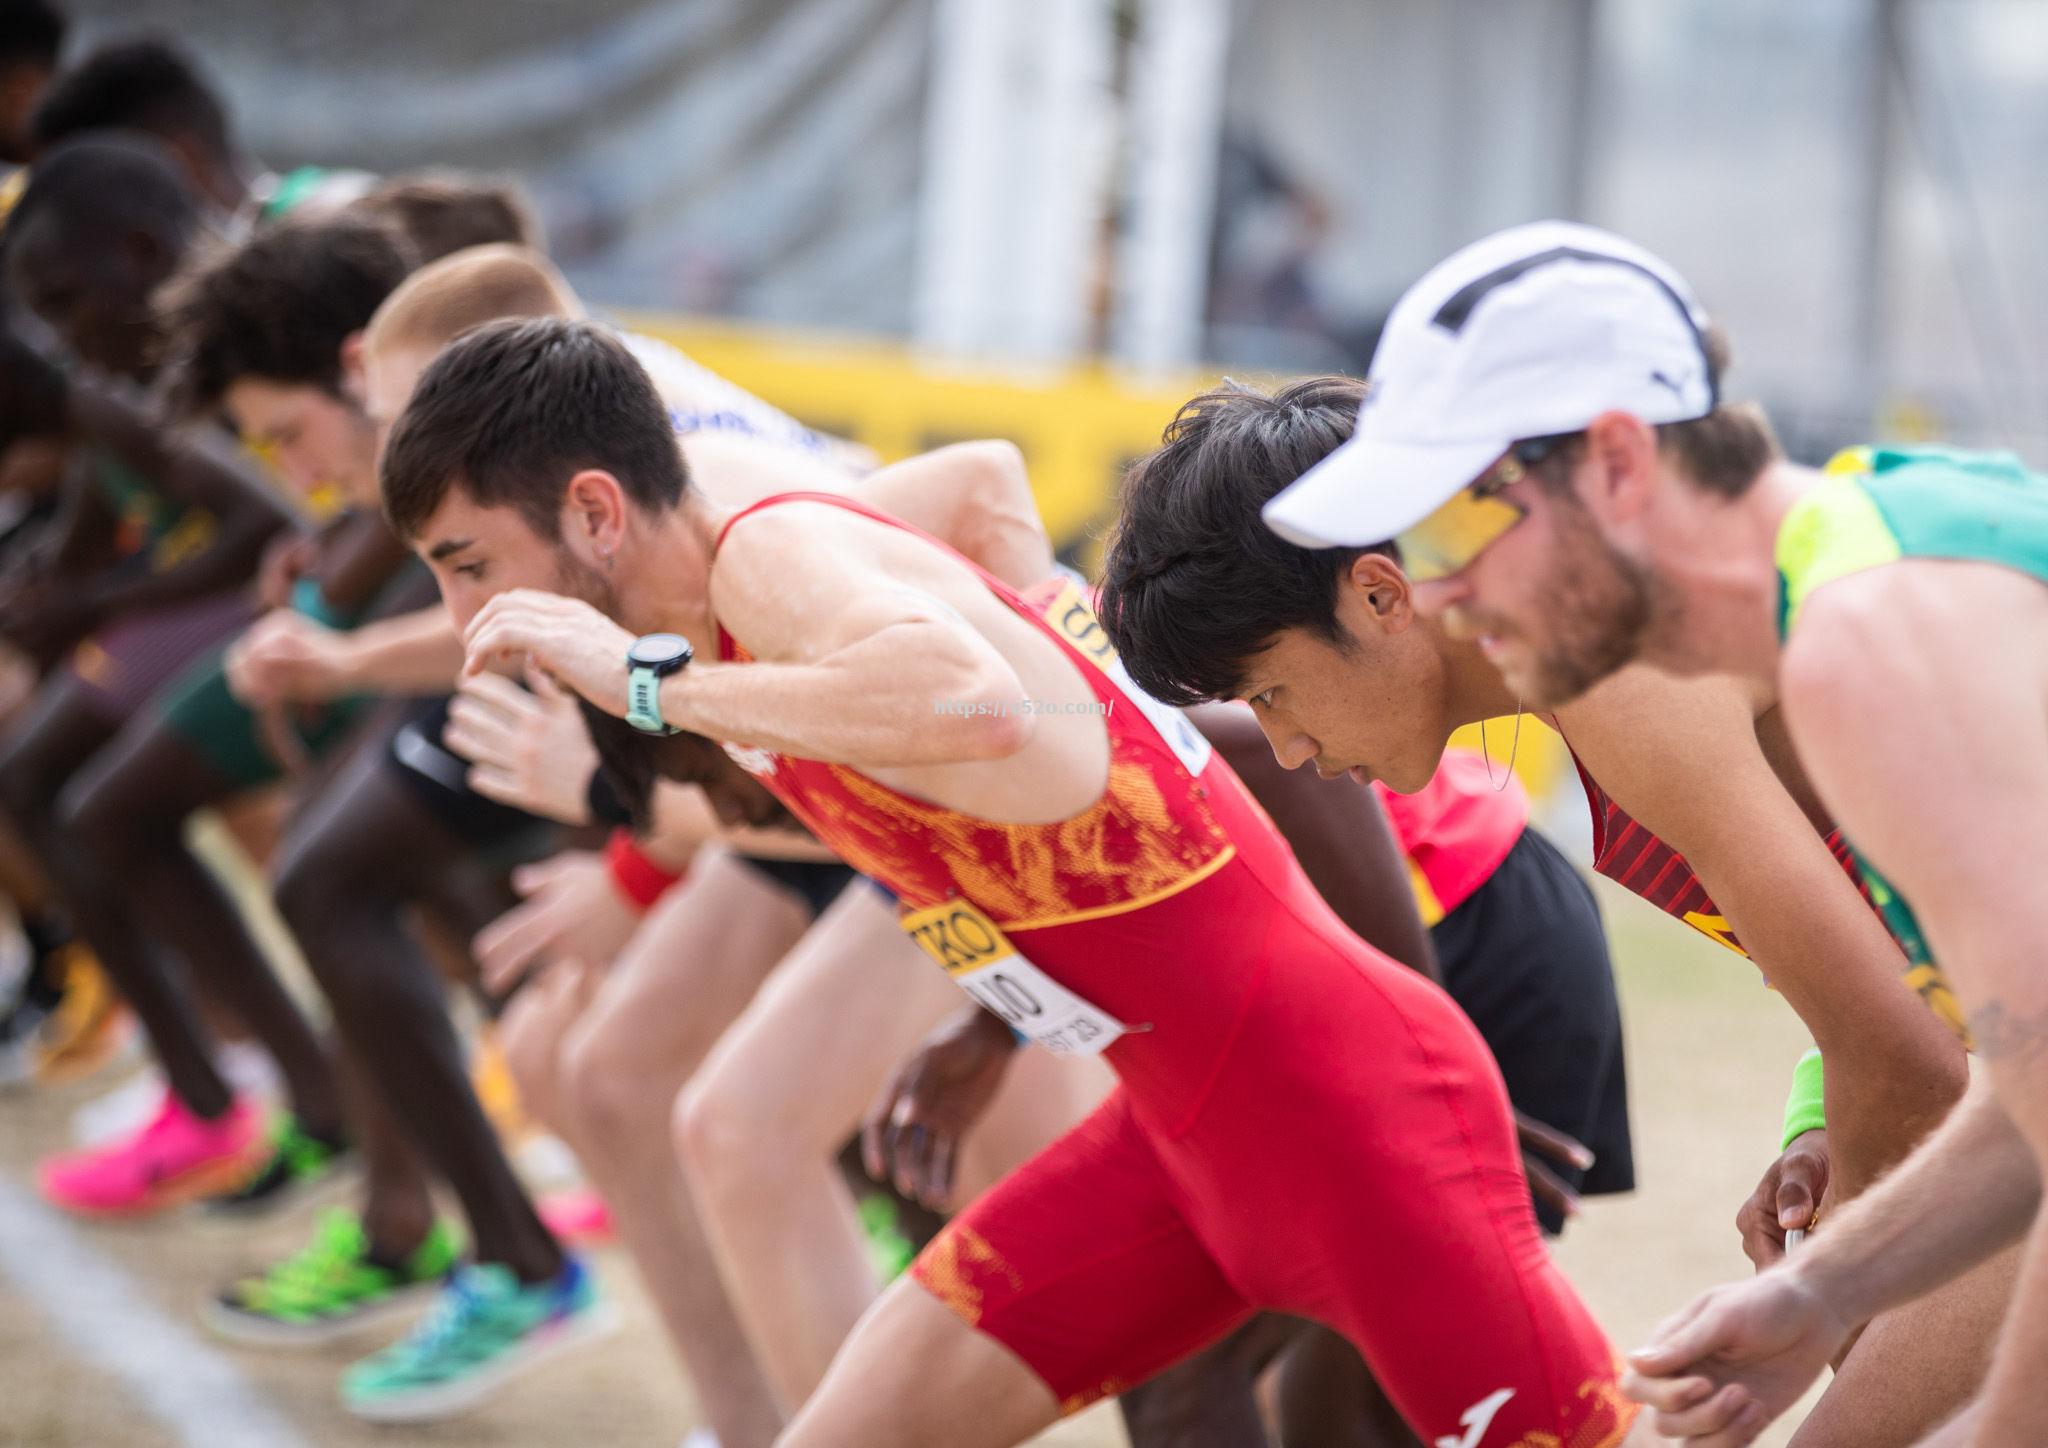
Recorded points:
486,1330
330,1287
301,1166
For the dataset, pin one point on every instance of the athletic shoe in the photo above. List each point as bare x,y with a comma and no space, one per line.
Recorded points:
89,1026
486,1330
577,1217
330,1287
176,1158
301,1165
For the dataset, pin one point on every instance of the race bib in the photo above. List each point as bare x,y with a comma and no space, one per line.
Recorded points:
968,947
1074,620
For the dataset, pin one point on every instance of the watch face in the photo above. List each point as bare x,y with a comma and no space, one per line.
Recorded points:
654,650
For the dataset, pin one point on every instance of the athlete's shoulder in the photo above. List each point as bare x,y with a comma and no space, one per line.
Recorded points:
1642,704
791,545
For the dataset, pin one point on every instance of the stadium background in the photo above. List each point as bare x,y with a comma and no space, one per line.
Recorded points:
914,221
919,220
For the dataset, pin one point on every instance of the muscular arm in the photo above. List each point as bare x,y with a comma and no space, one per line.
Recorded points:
1681,756
1338,832
414,653
198,466
975,496
358,555
883,657
1935,758
1971,1189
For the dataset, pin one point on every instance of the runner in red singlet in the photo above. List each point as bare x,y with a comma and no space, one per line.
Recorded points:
1514,936
1136,902
1693,776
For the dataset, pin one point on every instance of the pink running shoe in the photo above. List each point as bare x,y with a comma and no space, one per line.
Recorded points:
174,1159
578,1217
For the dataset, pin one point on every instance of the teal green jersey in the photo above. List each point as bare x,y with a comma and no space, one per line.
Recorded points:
1876,506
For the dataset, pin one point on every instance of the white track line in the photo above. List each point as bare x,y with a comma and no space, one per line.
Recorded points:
107,1319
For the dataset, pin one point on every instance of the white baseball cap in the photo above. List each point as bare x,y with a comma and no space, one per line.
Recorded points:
1530,332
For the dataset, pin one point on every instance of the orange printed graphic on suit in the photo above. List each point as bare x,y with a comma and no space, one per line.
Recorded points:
1151,833
1274,1071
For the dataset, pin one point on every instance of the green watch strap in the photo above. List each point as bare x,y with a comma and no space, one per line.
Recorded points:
1805,1109
643,701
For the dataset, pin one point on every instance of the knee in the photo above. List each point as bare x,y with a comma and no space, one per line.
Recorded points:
734,1139
710,1129
310,887
317,898
1208,1388
611,1101
531,1051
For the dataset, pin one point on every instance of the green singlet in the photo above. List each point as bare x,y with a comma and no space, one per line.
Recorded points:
1878,505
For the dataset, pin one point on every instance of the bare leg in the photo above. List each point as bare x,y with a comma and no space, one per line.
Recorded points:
1328,1397
761,1124
398,1202
1209,1400
686,976
533,1030
915,1376
1041,1097
158,907
358,858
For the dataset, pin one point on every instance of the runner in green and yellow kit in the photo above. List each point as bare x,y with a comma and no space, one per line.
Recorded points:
1547,444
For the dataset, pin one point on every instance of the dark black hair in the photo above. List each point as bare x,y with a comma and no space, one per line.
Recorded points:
33,391
1194,582
101,187
139,83
31,31
278,306
511,411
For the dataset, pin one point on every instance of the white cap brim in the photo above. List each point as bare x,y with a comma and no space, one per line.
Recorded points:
1370,490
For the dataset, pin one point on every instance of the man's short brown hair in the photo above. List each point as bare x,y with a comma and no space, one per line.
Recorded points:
513,410
444,299
1723,452
1728,449
442,212
278,306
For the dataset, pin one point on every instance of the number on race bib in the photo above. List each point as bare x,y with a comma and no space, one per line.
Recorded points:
969,947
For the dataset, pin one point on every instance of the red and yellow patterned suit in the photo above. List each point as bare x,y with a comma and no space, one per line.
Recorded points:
1301,1123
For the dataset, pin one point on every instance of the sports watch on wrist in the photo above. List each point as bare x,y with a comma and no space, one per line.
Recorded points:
652,658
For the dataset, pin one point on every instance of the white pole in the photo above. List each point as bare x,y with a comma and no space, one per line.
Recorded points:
1176,123
1058,190
960,213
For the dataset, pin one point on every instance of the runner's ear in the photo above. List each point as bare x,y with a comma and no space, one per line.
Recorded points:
594,513
1378,584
